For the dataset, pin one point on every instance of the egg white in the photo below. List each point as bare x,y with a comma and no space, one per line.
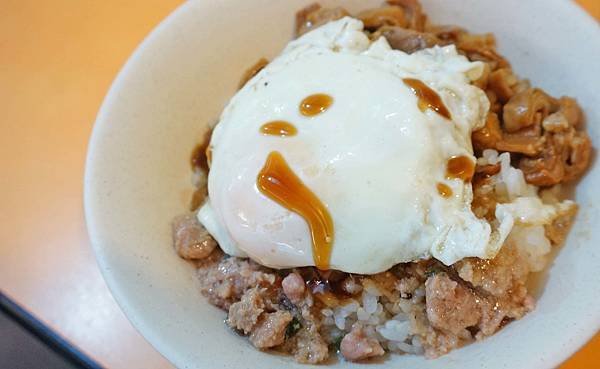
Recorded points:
373,158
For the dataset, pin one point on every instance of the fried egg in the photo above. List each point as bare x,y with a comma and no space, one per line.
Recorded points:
345,154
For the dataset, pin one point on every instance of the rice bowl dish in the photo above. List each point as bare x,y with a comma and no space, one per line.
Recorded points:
417,240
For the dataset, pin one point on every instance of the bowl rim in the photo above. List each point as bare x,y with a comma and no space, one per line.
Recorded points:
94,229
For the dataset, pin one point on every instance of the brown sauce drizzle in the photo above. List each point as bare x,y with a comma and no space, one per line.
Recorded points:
444,190
278,128
461,167
428,98
315,104
278,182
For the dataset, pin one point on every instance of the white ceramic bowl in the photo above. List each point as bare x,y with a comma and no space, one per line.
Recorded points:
177,82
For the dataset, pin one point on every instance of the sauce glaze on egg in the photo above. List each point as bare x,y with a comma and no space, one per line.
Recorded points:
444,190
315,104
279,128
428,98
460,167
278,182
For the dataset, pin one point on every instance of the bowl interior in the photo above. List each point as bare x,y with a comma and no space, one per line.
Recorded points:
174,87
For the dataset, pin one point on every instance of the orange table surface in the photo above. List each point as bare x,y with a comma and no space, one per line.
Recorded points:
57,60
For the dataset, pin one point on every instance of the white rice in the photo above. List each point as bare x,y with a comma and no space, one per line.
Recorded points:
389,324
395,330
531,211
510,182
369,302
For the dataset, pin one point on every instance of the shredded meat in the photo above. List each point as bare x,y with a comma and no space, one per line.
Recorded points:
544,170
545,133
489,135
406,40
501,284
487,170
250,315
450,306
375,18
565,156
476,47
521,143
224,280
526,109
308,346
506,272
257,306
543,129
270,330
556,122
314,16
504,84
357,346
482,83
190,238
567,151
439,343
494,292
579,150
252,71
449,34
570,111
415,18
481,48
244,314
